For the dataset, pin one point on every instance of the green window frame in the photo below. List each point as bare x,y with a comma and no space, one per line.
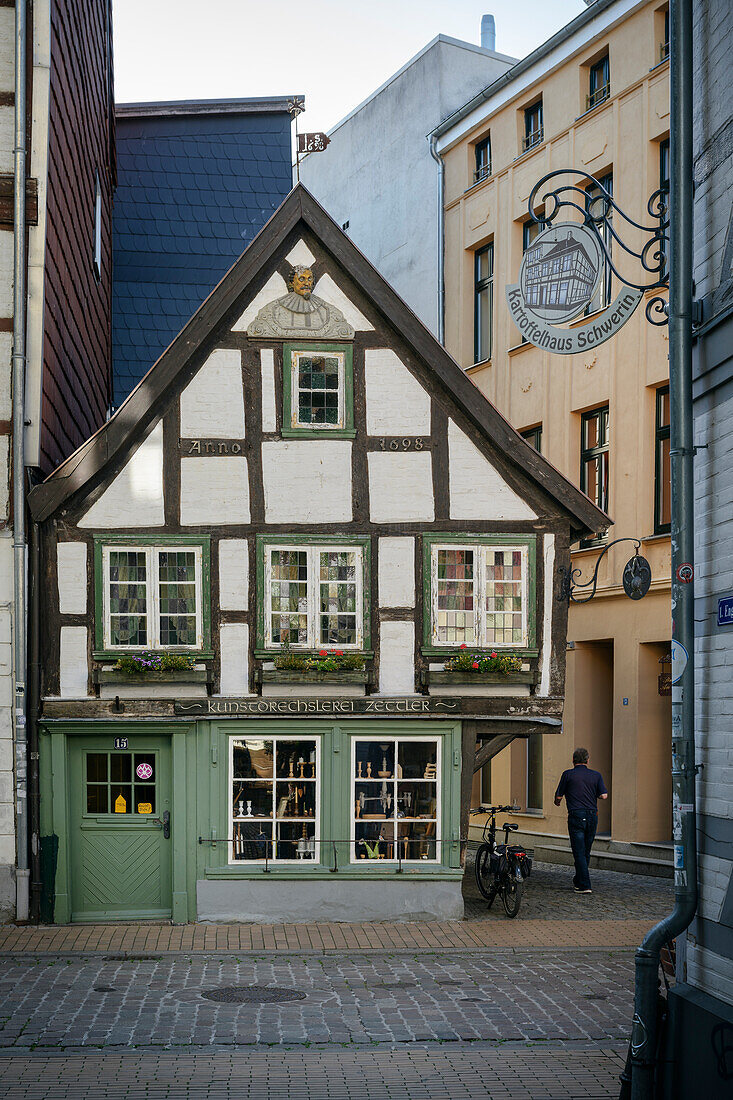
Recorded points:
150,545
310,545
527,544
292,427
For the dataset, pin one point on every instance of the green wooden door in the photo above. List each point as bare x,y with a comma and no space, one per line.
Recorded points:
120,828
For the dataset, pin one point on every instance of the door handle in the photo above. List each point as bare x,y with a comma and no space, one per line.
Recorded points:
165,824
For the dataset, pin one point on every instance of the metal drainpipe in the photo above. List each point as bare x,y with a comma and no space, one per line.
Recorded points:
18,383
644,1031
34,693
433,142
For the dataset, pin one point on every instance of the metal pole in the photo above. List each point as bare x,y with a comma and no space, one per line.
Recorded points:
644,1032
18,382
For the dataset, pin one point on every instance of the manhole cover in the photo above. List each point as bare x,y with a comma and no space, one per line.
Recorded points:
253,994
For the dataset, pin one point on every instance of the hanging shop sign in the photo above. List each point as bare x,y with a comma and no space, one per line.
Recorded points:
558,277
564,265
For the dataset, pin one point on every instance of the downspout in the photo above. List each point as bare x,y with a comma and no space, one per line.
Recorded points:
433,142
644,1031
34,695
18,459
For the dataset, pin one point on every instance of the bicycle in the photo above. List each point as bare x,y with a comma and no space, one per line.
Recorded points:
501,868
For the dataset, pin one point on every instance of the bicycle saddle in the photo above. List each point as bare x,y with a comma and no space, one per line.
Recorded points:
510,825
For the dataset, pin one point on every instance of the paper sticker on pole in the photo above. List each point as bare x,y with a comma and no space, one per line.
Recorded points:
680,657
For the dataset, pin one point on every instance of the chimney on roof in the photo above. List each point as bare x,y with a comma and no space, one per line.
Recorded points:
488,33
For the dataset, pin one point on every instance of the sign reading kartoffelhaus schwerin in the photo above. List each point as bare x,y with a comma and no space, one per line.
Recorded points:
291,586
558,277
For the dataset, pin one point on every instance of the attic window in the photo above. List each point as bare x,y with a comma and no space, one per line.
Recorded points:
318,390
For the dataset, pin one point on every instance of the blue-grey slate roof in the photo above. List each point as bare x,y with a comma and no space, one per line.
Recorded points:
192,192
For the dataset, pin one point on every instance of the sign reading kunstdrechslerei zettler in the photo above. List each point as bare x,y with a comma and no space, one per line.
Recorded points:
558,277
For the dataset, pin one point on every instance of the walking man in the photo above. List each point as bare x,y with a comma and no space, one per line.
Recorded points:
582,787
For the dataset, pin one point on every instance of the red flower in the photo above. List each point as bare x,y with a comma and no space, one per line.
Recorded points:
323,653
475,664
463,646
339,652
494,655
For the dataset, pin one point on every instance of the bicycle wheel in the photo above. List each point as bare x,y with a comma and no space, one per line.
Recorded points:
484,877
511,895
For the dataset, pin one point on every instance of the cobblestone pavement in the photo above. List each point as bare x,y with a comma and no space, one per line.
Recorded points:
500,996
419,1072
548,895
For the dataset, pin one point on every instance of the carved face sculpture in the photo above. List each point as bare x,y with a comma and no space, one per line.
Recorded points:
303,281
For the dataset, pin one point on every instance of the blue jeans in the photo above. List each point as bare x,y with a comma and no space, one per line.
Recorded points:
582,825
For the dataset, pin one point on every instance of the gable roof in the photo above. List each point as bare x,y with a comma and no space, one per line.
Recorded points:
137,413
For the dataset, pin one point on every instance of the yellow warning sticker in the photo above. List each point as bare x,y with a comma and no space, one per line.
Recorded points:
145,807
120,805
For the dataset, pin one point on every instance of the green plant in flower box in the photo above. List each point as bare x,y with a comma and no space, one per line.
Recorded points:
325,660
140,664
501,664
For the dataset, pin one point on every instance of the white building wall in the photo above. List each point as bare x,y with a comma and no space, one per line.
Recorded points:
378,173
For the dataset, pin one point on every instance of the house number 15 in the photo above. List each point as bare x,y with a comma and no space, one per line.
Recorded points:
414,444
120,742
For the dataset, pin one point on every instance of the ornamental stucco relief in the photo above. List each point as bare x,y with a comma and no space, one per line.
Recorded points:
300,313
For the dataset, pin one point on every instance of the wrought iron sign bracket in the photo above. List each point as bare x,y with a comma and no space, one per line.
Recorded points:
637,576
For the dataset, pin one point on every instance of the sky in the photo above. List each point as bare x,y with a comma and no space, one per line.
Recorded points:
334,53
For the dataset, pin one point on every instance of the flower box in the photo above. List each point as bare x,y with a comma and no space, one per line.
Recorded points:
180,676
461,677
305,675
184,683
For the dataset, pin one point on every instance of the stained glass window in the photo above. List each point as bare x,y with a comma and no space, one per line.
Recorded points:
480,596
318,389
153,597
314,596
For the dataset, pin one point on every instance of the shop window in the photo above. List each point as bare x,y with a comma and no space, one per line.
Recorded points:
594,461
318,390
121,783
483,302
534,437
534,130
313,594
599,83
662,470
151,597
481,593
275,799
482,151
395,797
595,204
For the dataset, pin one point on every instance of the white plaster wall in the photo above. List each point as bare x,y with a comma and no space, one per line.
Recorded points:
269,407
400,487
6,148
212,404
274,288
300,254
477,490
327,289
71,568
135,497
397,658
396,403
396,572
73,662
214,490
233,574
6,239
6,347
234,654
307,481
549,575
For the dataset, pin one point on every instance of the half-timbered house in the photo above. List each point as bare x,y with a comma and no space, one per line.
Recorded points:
251,581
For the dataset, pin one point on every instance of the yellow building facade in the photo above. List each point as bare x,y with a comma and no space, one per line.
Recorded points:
595,98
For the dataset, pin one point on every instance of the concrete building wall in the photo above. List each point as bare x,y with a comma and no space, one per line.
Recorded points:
378,175
617,643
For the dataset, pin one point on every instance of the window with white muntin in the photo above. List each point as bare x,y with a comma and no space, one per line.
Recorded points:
314,595
480,595
152,597
318,390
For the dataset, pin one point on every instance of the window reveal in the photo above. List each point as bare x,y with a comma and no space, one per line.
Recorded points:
594,460
152,597
275,799
395,799
483,302
314,596
662,469
479,596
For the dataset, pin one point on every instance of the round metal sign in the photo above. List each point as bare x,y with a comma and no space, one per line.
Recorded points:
637,577
560,271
